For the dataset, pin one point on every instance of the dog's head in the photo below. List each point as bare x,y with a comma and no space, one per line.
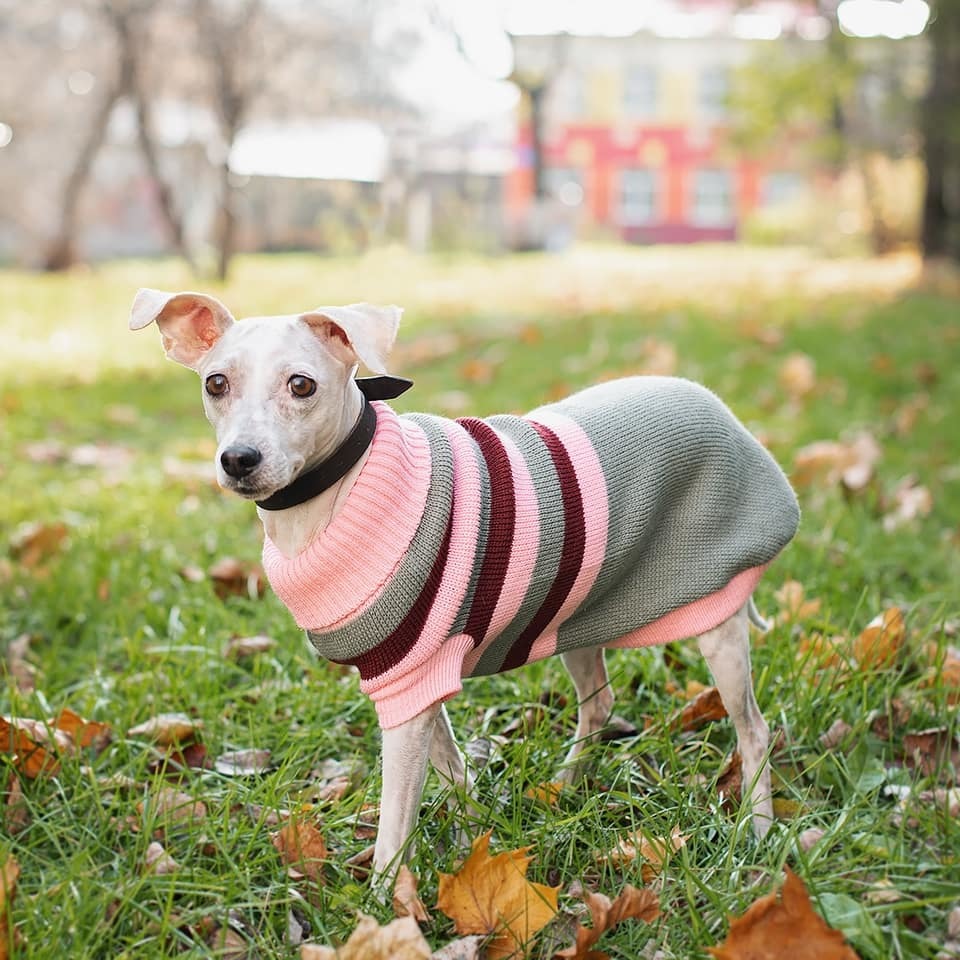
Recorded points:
278,390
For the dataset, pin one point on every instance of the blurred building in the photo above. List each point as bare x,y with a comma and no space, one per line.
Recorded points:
635,131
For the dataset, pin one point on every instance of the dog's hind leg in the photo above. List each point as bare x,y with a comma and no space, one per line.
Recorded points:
447,757
726,649
588,670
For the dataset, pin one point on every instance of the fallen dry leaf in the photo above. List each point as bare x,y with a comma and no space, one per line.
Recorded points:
797,375
158,861
15,813
794,607
240,648
168,729
466,948
545,793
605,914
706,707
231,577
173,806
783,924
21,670
406,900
810,838
34,544
945,674
85,733
9,873
23,741
838,732
653,851
934,752
492,895
850,463
242,763
302,848
399,940
880,643
909,501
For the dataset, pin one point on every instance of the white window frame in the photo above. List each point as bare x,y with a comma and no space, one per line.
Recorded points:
639,207
713,200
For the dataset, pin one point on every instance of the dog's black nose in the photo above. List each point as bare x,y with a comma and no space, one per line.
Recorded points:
238,461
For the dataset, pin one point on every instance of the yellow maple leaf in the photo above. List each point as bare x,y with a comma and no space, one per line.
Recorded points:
492,895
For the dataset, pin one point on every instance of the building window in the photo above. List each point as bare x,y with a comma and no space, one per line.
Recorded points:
779,187
565,184
640,92
713,92
712,198
638,196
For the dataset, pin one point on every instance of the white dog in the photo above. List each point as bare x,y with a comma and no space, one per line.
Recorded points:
423,550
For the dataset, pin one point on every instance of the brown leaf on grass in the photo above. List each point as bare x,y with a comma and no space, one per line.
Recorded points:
934,752
173,806
945,674
492,895
9,873
546,793
730,780
15,812
406,900
36,543
85,733
168,729
850,463
21,670
466,948
880,643
822,652
240,648
794,606
399,940
232,577
706,707
653,851
838,732
22,740
242,763
797,375
227,943
605,914
783,924
302,848
158,861
910,501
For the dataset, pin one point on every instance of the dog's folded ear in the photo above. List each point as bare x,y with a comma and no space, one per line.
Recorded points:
357,333
190,323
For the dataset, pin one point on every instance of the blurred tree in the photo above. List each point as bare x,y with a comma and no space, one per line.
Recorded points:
940,234
840,105
128,22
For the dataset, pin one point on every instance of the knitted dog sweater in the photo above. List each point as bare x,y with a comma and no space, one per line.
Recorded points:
633,513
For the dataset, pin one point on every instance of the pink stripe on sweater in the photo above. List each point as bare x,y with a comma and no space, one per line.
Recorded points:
593,492
523,553
464,532
346,566
697,617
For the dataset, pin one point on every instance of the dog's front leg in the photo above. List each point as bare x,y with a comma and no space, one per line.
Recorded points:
405,752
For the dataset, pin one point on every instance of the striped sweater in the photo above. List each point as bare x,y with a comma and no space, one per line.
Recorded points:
633,513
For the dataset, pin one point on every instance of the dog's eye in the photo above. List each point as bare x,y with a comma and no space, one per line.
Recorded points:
301,386
216,384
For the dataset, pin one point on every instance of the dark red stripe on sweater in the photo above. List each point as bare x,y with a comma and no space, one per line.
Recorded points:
398,644
503,510
571,556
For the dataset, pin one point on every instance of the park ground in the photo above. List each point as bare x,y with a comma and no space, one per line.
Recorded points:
127,579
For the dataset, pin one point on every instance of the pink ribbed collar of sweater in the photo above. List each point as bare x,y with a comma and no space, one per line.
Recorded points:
346,565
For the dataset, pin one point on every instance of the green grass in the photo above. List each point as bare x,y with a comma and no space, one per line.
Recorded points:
118,635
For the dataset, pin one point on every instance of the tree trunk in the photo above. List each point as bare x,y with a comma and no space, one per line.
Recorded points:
62,252
227,226
940,232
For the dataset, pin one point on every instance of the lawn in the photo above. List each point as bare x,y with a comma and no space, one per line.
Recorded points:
111,523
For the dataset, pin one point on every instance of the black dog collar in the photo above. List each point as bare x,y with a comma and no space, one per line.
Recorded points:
324,475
